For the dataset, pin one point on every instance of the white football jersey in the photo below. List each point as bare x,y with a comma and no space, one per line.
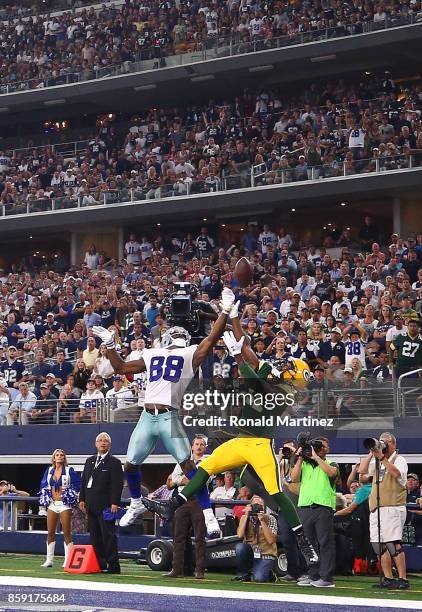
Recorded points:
355,349
133,250
91,401
169,372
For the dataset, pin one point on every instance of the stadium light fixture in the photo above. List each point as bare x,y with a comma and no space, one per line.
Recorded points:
56,102
263,68
147,87
323,58
202,77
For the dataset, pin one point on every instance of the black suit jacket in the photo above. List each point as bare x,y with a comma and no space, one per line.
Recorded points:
107,483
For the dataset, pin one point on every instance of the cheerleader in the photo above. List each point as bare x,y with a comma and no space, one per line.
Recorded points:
59,494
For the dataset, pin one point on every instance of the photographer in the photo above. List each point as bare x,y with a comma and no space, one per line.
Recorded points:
388,493
296,565
256,554
317,503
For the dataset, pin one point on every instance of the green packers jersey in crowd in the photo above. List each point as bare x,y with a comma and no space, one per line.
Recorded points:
409,351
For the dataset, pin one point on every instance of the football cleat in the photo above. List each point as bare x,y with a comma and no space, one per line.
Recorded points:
307,550
135,509
165,508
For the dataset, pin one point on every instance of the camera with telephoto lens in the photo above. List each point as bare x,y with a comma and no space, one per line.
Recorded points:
181,308
306,443
256,509
372,444
286,452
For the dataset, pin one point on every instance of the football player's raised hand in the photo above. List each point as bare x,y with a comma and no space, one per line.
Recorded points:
234,312
233,346
106,336
227,300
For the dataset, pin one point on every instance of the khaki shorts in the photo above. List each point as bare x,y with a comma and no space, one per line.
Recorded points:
392,521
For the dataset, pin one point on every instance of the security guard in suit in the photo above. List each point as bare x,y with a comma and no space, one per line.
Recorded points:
101,488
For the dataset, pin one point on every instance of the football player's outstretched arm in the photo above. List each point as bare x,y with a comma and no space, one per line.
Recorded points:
227,301
124,367
247,353
119,366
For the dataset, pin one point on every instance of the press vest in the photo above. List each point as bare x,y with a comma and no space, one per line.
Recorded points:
391,492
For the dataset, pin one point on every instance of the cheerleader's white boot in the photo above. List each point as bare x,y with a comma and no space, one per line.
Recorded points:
66,552
50,555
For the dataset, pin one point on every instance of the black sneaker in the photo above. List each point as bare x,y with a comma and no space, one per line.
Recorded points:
165,508
244,578
403,584
387,583
307,550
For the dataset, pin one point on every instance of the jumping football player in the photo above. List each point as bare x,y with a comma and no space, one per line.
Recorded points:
253,445
169,371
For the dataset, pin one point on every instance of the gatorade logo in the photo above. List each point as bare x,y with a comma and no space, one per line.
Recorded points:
77,558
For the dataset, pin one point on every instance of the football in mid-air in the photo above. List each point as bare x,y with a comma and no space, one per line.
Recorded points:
243,272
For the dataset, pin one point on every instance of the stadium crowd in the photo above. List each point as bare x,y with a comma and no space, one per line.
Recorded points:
28,8
347,309
49,50
333,129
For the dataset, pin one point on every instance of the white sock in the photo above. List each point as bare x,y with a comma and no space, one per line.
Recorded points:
208,514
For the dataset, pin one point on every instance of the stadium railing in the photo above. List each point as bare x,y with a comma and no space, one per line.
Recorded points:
68,150
12,505
28,8
212,48
372,400
409,394
249,178
62,411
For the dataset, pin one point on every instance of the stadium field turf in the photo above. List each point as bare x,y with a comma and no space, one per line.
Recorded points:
346,586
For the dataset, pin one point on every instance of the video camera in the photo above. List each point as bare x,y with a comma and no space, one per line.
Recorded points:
372,444
181,308
306,443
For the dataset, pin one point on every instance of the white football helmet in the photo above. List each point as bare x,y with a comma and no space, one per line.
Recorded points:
175,337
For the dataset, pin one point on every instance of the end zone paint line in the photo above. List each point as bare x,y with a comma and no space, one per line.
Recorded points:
334,600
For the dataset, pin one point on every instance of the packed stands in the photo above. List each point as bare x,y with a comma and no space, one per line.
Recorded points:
318,302
337,128
43,50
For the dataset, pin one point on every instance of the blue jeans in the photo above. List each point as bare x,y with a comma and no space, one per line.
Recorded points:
259,569
296,565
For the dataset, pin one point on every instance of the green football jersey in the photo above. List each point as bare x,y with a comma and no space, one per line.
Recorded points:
409,351
256,407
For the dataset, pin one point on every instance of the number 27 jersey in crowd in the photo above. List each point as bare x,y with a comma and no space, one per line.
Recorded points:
169,372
